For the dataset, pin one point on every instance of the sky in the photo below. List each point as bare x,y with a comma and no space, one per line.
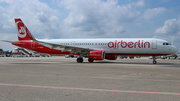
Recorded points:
62,19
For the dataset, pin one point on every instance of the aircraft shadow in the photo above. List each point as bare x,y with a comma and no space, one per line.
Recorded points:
176,65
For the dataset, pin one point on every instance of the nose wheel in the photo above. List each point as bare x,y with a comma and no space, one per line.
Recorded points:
154,61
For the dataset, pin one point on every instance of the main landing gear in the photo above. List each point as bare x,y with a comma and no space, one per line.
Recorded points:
154,60
79,60
90,60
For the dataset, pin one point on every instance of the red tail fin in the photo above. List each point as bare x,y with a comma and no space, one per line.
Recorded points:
22,30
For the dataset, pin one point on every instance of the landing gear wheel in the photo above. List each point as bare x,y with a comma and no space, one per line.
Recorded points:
90,60
79,60
154,62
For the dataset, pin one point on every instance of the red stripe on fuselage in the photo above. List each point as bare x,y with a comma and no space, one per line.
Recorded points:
34,46
138,54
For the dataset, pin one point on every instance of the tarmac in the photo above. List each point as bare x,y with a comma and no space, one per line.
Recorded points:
63,79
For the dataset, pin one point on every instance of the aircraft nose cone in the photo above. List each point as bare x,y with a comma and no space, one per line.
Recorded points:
174,50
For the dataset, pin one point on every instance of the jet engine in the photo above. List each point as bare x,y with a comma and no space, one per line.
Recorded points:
96,55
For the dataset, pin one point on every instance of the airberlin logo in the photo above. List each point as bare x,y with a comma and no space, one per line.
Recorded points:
21,30
123,44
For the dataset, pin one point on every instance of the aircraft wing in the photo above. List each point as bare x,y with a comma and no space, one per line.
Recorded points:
73,49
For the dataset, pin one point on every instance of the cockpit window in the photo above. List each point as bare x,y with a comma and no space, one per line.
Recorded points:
166,43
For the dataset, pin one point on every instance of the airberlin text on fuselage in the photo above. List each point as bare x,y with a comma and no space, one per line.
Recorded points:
124,44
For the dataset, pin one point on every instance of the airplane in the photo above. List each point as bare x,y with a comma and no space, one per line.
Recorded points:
94,49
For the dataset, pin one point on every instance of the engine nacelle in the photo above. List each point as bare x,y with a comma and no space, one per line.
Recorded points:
111,57
96,55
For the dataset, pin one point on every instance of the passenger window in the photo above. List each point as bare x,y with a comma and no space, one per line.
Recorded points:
164,43
167,44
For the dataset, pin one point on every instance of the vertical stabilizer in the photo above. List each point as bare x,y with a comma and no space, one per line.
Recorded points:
22,30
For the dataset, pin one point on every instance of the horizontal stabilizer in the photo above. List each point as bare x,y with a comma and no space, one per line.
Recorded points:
13,42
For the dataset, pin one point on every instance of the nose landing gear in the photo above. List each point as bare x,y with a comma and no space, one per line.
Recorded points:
154,60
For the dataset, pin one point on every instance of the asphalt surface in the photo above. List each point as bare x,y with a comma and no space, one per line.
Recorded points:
63,79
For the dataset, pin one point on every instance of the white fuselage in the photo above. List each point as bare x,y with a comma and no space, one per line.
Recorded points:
119,46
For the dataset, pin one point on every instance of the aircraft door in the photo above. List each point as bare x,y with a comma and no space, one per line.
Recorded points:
154,44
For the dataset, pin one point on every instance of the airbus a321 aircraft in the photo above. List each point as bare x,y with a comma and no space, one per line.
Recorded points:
94,49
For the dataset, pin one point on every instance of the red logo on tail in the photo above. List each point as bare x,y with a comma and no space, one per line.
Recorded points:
21,30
